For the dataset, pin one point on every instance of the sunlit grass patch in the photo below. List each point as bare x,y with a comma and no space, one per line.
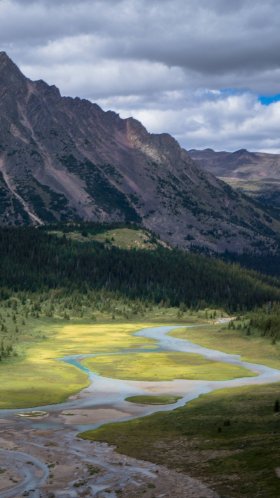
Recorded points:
163,366
28,383
101,338
124,238
127,238
37,378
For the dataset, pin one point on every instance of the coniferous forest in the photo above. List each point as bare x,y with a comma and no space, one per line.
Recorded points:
33,260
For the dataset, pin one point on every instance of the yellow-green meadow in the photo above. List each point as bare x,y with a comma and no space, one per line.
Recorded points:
163,366
36,377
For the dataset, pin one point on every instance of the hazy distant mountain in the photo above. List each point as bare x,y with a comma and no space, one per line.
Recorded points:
64,159
255,173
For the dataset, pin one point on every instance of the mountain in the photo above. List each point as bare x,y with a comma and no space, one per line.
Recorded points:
255,173
64,159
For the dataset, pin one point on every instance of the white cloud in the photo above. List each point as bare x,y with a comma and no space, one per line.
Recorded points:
226,122
108,77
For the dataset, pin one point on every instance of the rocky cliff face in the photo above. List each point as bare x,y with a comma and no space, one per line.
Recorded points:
66,159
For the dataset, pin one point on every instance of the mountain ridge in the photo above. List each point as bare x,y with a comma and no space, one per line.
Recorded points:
255,173
65,159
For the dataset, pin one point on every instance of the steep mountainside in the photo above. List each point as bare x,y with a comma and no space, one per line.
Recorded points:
64,159
255,173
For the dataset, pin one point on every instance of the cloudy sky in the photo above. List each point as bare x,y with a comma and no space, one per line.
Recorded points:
206,71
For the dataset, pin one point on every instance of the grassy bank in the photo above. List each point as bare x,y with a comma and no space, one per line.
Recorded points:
228,439
253,348
153,400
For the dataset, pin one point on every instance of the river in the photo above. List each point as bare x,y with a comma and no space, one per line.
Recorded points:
102,402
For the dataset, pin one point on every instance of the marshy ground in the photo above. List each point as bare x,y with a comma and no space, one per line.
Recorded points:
224,442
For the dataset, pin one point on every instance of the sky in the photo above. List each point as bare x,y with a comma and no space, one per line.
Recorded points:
206,71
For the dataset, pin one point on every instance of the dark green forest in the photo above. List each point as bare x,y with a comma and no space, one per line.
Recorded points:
34,261
269,264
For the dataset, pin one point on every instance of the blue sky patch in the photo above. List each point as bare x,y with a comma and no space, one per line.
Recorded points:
269,99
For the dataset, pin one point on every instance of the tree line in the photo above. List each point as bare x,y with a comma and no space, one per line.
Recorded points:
32,260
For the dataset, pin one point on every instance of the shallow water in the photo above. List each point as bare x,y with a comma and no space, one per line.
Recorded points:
104,399
105,393
33,473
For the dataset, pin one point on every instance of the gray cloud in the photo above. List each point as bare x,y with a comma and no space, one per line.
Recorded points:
154,58
220,39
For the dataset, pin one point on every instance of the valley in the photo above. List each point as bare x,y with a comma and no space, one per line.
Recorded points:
95,468
112,347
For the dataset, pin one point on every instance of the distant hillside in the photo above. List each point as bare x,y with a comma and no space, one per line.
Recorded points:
32,260
64,159
255,173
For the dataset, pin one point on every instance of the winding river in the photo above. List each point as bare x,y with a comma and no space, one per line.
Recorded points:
107,396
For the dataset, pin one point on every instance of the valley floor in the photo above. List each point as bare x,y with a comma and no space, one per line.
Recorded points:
200,449
63,466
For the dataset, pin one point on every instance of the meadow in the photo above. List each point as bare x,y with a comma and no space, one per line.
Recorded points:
163,366
124,238
227,438
253,348
35,377
31,374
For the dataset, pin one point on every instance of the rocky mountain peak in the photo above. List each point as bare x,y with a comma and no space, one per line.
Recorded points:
9,72
64,159
46,89
4,58
240,152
